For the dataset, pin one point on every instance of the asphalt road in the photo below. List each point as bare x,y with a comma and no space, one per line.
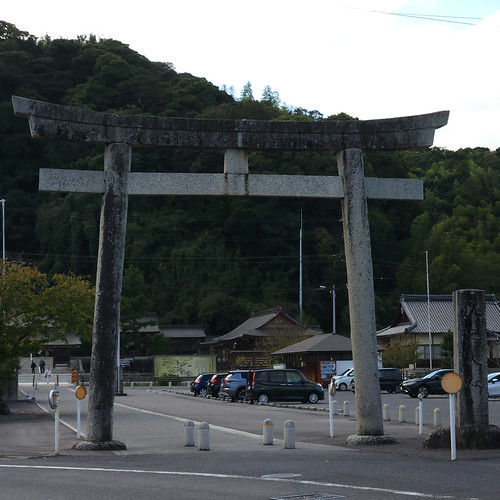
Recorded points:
156,463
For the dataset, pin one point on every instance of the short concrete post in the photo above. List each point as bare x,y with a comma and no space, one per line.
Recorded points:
289,434
268,431
386,412
36,386
346,409
189,433
402,414
132,384
204,437
151,385
334,407
437,417
170,385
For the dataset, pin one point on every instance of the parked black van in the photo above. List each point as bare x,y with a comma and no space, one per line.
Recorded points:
287,385
390,380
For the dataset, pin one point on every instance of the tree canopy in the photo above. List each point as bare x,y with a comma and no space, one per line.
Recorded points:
35,309
213,261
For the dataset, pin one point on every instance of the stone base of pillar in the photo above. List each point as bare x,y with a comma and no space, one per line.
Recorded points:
467,438
99,446
370,440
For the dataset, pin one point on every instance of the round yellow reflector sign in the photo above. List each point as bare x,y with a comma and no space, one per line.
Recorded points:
80,392
451,382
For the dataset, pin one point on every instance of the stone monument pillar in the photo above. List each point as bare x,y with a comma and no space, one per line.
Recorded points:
470,356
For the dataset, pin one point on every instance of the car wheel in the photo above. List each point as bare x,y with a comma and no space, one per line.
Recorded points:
390,390
312,398
240,395
343,387
203,392
263,398
423,390
397,389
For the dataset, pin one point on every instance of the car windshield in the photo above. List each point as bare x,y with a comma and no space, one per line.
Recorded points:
430,375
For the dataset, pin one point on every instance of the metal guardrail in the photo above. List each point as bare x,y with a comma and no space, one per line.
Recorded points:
28,378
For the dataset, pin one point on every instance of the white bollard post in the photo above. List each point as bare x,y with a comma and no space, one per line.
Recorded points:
289,434
36,386
204,437
416,415
189,433
402,414
132,384
268,432
346,409
170,385
334,407
437,417
151,385
386,412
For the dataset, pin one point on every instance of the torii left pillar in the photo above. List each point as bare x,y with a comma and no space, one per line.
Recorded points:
117,161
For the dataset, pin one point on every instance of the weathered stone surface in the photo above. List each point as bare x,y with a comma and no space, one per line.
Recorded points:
99,446
361,294
470,357
75,124
466,438
202,184
114,207
356,440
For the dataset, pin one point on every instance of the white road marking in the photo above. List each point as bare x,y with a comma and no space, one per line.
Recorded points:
226,476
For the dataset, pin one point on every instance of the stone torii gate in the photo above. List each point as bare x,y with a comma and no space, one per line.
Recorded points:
235,137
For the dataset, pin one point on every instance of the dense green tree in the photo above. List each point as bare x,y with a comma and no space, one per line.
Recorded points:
447,350
247,92
34,309
213,261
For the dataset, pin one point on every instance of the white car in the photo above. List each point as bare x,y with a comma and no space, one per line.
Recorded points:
343,381
494,385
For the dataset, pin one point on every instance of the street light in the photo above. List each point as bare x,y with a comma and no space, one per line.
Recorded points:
332,291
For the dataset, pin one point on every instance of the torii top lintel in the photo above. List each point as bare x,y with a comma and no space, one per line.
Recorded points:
49,120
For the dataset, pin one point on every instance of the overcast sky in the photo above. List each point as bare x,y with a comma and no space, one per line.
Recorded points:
367,58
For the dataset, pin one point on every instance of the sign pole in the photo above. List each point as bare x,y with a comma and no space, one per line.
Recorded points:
331,392
80,393
452,383
453,442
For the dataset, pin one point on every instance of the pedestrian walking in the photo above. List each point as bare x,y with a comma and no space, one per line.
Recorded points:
33,367
41,364
48,374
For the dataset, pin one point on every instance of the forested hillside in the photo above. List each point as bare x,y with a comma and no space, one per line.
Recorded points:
212,261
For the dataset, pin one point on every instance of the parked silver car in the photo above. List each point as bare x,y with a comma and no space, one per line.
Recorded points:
342,382
233,386
494,385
